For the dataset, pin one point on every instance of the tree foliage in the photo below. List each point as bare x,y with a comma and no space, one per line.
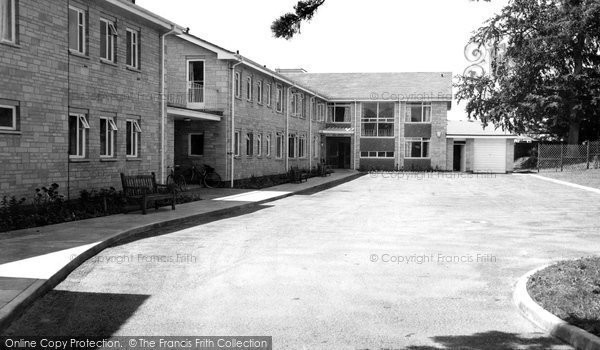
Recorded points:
546,80
289,24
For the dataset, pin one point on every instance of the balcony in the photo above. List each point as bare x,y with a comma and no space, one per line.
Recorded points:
199,97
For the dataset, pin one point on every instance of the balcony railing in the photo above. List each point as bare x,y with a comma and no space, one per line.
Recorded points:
195,92
199,97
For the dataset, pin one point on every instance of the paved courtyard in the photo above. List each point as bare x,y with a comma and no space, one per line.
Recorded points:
382,262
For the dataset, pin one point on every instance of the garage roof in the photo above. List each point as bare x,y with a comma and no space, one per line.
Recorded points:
470,128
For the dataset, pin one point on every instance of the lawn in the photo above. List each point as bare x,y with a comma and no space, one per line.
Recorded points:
571,291
590,178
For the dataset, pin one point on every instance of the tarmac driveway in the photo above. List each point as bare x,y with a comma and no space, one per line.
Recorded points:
384,261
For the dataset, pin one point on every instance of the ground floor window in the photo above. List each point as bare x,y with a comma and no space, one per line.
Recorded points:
8,117
268,144
78,128
292,146
416,148
108,129
259,145
196,145
133,131
237,143
376,154
279,141
316,147
302,146
249,144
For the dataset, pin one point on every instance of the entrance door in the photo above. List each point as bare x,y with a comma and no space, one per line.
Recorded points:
338,152
459,158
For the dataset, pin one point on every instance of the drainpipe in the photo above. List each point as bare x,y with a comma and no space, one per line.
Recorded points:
287,130
310,137
163,117
232,175
355,132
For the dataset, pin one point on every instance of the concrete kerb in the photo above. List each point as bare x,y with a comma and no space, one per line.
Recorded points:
545,320
13,310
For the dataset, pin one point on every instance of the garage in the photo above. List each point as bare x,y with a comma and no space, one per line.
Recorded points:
489,156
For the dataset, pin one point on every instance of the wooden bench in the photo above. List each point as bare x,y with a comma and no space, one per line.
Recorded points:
143,188
297,176
324,170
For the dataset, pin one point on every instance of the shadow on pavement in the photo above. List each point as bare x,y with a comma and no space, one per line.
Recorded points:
73,314
493,340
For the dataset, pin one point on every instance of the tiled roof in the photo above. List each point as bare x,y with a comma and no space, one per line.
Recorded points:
435,86
474,128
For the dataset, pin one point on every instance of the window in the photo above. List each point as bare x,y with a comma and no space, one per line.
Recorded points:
77,30
279,150
249,144
312,108
378,119
108,129
108,40
377,154
418,112
416,148
321,112
268,144
195,81
78,127
133,48
259,92
249,89
269,95
196,145
8,21
302,146
8,117
305,108
237,143
133,131
297,104
259,145
339,113
316,147
279,99
238,85
292,146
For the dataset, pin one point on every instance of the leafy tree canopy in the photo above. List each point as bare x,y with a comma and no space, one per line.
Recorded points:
289,24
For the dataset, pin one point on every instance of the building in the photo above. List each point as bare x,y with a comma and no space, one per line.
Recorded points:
80,87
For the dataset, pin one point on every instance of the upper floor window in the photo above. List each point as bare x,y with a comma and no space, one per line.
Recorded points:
8,19
77,30
8,117
418,112
297,104
108,40
312,109
339,113
416,148
321,112
378,119
259,92
133,48
108,129
238,85
269,95
195,81
249,89
279,100
78,130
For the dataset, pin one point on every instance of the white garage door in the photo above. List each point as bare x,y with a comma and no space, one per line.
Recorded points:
490,156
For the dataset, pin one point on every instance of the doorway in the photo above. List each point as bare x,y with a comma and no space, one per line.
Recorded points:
339,152
459,162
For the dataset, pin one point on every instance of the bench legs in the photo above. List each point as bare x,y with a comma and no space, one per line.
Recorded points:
144,204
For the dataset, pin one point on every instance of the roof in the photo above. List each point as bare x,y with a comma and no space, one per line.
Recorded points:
144,13
419,86
470,128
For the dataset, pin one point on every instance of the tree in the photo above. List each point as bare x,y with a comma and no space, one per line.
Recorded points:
547,79
289,24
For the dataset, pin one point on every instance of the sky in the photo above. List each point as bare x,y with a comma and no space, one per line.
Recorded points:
343,36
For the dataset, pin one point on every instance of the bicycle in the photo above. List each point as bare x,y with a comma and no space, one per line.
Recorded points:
175,180
207,177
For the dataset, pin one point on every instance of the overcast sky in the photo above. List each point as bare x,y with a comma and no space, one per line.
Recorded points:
344,35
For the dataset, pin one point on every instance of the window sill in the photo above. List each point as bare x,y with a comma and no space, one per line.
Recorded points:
108,159
133,69
108,62
78,54
8,43
79,160
11,132
417,122
195,156
132,159
428,158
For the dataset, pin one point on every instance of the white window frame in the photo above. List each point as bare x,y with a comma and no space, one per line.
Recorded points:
302,147
249,142
135,48
378,120
238,85
316,146
188,82
249,89
268,144
13,17
259,91
294,153
81,136
424,106
136,131
14,118
280,98
190,144
280,143
81,29
320,112
334,106
312,107
375,154
408,149
237,143
111,38
269,97
111,130
259,144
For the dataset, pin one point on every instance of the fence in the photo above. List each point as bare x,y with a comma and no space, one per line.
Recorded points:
563,157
